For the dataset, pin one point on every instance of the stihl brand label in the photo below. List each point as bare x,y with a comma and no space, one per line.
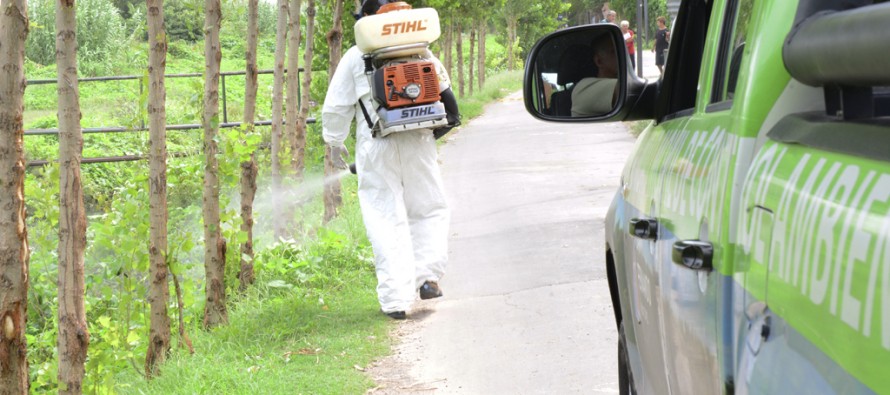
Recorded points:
402,27
416,112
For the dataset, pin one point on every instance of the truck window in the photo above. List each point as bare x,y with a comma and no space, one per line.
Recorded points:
679,87
732,49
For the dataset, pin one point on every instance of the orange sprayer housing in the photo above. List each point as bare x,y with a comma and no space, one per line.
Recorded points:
396,83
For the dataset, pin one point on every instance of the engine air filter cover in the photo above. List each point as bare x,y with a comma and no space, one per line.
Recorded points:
406,84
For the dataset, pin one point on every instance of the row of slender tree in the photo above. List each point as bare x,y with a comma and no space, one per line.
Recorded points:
459,20
73,337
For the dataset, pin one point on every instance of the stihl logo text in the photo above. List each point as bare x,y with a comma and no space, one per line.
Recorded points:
416,112
402,27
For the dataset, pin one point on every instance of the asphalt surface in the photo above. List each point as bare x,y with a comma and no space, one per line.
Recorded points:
526,307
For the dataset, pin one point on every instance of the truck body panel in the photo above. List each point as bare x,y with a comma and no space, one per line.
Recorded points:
784,187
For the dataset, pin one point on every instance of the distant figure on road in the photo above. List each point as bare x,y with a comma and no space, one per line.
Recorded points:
662,41
629,37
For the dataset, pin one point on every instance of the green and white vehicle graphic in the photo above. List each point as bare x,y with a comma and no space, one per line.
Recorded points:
748,246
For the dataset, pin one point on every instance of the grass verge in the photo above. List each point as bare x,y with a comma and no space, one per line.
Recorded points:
307,326
279,342
496,86
637,127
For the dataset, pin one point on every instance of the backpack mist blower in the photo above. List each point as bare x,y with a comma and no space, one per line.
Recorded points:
409,87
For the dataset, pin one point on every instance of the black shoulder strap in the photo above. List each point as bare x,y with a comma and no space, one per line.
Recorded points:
365,112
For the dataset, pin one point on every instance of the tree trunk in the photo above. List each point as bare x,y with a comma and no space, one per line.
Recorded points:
249,168
159,290
448,47
331,195
74,336
512,25
307,59
297,131
292,110
332,191
471,60
460,59
13,233
483,31
277,104
335,39
214,245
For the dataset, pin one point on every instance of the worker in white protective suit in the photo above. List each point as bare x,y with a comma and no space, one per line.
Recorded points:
399,188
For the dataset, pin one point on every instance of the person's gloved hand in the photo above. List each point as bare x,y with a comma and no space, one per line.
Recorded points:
339,154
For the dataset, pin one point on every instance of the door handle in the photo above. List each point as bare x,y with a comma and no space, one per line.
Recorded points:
694,254
644,228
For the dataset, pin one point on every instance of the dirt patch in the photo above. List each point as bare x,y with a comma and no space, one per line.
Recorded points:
394,373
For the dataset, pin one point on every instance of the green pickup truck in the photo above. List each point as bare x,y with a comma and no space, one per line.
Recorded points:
748,245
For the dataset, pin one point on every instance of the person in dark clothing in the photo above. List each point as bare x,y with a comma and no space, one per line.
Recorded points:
662,41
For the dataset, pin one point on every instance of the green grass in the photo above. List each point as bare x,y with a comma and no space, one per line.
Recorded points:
311,318
636,127
280,343
496,86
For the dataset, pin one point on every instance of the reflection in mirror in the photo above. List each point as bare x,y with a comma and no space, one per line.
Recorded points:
576,74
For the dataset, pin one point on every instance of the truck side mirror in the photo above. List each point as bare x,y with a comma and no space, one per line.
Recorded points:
581,74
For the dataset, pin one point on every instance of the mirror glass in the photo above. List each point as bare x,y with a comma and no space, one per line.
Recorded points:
575,74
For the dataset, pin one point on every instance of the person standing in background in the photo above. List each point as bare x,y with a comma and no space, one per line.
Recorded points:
611,16
605,10
629,37
662,41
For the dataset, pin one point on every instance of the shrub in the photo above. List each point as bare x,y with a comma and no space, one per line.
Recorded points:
100,35
184,20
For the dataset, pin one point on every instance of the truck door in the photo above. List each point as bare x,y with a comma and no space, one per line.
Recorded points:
670,168
696,190
641,188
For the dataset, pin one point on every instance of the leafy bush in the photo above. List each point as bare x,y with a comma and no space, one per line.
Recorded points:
100,35
184,20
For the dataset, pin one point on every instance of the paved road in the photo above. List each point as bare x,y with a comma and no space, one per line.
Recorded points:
526,307
650,70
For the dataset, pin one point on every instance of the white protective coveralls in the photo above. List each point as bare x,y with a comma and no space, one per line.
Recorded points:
399,188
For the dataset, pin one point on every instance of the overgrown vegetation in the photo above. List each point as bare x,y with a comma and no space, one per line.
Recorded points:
637,127
313,314
496,87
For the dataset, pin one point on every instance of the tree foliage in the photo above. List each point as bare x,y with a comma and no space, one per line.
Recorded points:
531,21
101,35
582,11
183,19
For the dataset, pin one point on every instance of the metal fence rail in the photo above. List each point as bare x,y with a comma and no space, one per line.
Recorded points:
142,127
